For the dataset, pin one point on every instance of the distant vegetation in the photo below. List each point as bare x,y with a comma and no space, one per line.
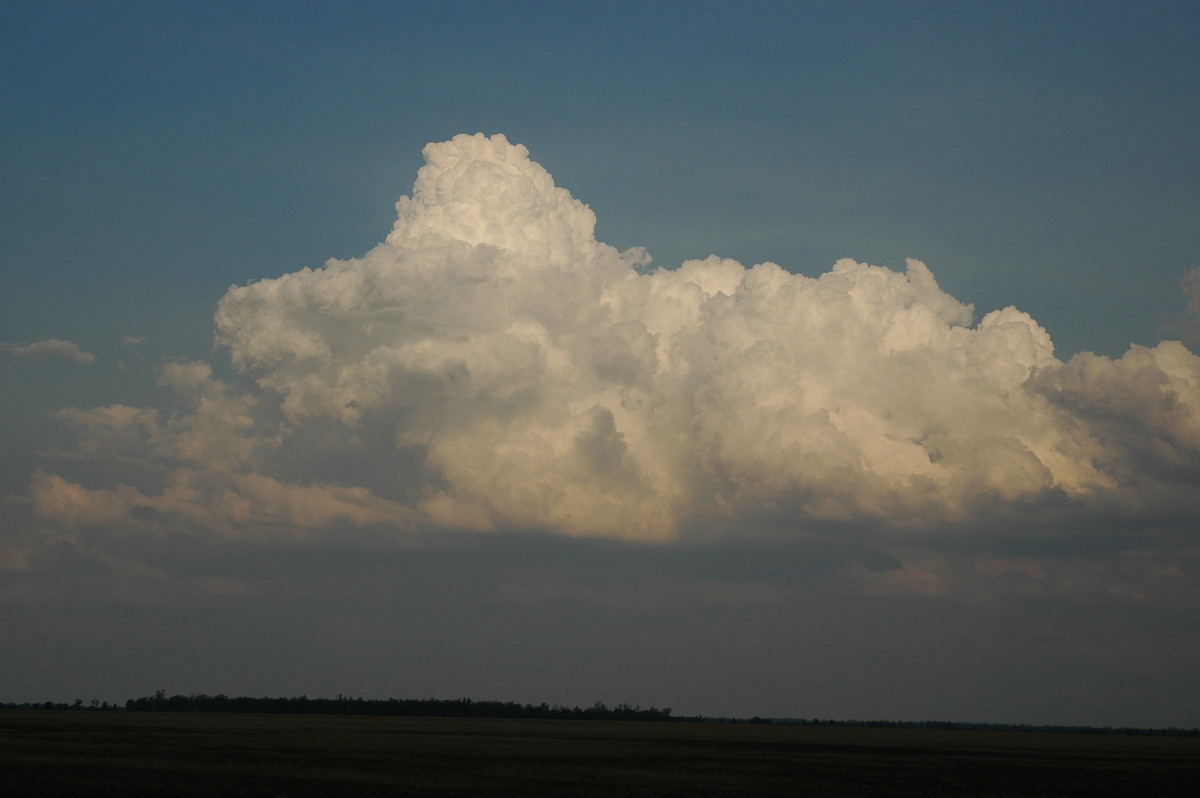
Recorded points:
467,708
415,707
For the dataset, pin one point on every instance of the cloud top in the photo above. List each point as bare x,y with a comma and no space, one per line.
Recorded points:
490,365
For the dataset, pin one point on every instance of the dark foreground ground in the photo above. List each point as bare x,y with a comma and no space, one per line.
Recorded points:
193,754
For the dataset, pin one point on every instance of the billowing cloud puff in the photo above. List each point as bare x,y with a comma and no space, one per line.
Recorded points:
490,365
50,348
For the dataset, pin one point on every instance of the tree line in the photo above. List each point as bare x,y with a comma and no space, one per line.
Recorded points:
422,707
467,708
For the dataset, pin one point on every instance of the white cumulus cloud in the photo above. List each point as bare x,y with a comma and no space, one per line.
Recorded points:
491,365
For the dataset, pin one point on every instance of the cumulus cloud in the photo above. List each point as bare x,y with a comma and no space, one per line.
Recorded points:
50,348
491,365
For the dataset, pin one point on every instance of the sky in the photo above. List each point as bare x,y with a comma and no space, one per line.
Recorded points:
801,359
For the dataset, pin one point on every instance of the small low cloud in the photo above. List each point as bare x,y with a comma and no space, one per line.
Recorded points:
133,340
48,349
1191,321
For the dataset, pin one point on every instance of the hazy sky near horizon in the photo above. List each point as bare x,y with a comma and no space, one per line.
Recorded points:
792,359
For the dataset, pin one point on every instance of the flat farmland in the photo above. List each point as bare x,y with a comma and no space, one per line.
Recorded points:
64,753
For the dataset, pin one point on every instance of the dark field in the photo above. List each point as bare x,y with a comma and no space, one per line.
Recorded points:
184,754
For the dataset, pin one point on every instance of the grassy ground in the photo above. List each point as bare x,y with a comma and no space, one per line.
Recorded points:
167,754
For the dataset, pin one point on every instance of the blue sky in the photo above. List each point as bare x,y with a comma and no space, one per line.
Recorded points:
1036,155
